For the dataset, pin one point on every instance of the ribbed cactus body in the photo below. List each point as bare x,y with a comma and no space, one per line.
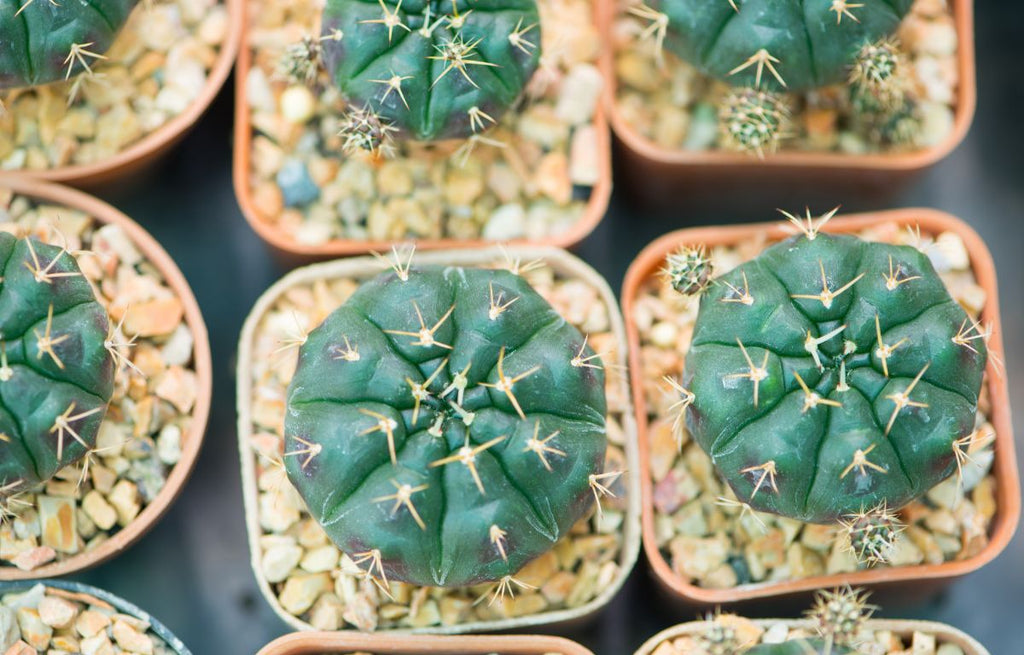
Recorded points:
809,407
441,423
812,43
800,647
37,37
56,375
434,69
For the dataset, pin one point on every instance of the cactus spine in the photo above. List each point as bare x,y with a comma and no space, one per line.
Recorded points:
446,426
56,369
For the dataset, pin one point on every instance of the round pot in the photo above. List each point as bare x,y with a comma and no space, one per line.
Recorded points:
285,243
561,263
654,169
945,633
904,581
192,439
319,643
119,604
152,146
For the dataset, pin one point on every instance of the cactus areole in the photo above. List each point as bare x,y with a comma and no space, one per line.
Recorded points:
831,375
42,41
793,44
56,375
444,425
434,69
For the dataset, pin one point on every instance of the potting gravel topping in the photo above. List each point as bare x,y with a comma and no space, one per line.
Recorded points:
50,620
46,41
446,425
761,75
83,323
56,368
433,69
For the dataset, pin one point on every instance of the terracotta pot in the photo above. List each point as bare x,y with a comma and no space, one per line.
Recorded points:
151,147
561,263
655,170
193,438
121,605
946,634
322,643
596,206
909,580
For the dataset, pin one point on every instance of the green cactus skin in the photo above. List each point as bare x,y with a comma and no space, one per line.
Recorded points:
811,43
390,58
800,647
56,375
789,451
352,400
37,37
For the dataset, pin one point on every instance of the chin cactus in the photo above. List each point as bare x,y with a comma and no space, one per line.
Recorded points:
56,369
446,426
831,379
42,41
689,270
431,69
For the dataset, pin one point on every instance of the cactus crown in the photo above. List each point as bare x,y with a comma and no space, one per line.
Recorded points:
433,69
56,373
446,425
689,270
840,614
831,374
753,121
43,41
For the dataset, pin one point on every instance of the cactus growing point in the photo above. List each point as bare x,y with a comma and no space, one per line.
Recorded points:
446,426
830,376
42,41
56,370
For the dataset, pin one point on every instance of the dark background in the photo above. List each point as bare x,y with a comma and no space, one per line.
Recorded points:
192,571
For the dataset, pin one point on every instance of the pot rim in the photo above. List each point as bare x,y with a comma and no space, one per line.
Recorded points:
162,139
123,606
902,627
192,440
594,211
559,261
314,643
719,160
1004,467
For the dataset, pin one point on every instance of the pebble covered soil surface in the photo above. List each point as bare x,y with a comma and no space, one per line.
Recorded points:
314,581
710,539
673,105
528,177
141,437
48,620
157,67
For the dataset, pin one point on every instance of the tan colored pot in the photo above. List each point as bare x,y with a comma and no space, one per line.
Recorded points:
945,634
325,643
909,580
656,168
191,440
593,213
560,262
151,147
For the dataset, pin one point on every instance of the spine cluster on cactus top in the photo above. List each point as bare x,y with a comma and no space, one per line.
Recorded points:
56,365
427,70
833,380
42,41
446,426
689,270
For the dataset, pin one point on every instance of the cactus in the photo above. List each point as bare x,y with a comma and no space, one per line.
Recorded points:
830,376
56,371
430,70
42,41
800,647
753,121
446,426
689,270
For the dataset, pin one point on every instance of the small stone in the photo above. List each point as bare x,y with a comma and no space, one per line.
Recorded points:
552,177
154,318
35,633
178,386
168,444
663,449
33,558
675,490
57,518
585,165
327,613
506,223
579,95
20,648
125,500
278,562
99,510
9,631
695,558
297,187
298,104
57,612
177,351
97,645
131,639
301,591
318,560
91,623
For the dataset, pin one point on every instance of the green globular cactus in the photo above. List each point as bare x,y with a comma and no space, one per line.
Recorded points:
800,647
689,270
446,425
831,376
56,373
42,41
432,69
